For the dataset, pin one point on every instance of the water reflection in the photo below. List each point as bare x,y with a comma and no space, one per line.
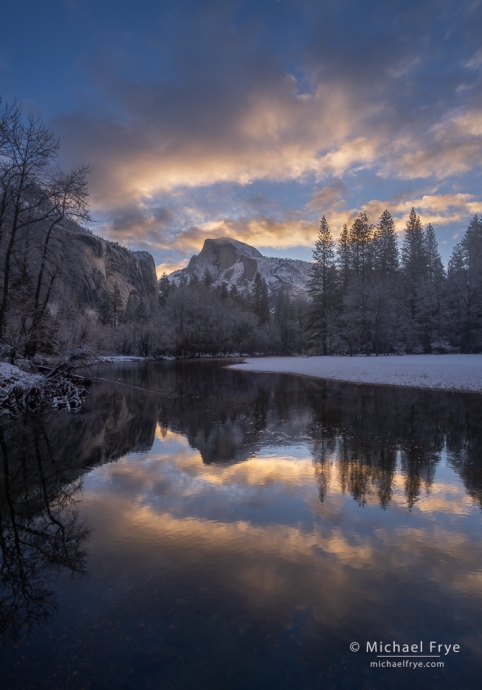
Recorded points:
237,537
40,530
367,431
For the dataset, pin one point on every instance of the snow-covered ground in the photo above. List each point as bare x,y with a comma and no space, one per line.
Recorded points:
120,358
444,372
10,374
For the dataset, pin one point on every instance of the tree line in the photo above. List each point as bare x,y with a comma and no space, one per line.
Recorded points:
368,295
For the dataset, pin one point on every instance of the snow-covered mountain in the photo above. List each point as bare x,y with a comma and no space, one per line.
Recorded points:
236,263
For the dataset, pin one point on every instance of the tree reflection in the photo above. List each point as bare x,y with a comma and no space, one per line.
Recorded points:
40,530
363,435
380,431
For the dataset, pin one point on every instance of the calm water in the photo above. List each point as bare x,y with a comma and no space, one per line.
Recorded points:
202,528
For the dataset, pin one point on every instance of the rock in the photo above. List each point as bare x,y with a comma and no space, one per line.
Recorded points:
237,263
97,265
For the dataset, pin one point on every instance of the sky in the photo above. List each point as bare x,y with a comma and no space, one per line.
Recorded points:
252,119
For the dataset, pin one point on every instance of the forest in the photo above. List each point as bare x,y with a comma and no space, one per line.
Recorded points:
366,295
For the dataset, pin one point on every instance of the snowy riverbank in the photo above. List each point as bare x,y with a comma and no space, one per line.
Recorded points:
20,390
443,372
11,375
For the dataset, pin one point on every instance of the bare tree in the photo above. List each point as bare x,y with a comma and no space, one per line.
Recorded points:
36,198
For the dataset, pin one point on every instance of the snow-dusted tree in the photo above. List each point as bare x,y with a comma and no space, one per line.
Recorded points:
433,294
289,320
464,288
164,289
414,275
386,255
110,310
414,253
35,199
207,278
384,284
322,288
361,255
357,317
141,313
343,256
259,299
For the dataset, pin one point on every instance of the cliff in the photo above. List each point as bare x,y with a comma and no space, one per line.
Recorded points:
100,264
236,263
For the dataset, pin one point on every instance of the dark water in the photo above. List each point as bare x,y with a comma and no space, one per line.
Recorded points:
239,530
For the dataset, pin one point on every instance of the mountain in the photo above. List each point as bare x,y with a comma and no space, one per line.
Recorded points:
100,264
236,263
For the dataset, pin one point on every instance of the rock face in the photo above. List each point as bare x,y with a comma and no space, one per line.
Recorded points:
236,263
96,265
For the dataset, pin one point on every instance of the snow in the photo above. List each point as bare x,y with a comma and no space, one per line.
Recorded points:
275,271
10,374
120,358
442,372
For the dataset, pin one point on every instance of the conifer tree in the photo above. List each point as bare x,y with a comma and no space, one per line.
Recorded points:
322,287
260,299
383,288
414,253
164,289
386,254
465,288
141,312
105,310
361,235
414,270
207,278
343,257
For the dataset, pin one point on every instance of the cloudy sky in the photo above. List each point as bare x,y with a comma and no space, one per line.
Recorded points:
252,118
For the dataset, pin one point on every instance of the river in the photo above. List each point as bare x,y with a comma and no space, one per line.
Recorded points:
196,527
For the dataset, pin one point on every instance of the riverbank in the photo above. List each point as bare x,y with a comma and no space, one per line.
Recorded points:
20,390
438,372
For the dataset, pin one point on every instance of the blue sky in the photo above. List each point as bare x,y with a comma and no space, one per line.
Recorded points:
252,119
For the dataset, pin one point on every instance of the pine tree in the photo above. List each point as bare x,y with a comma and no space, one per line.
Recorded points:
164,289
105,309
322,287
344,258
435,269
414,254
433,294
356,318
465,289
361,235
141,311
259,299
386,254
383,287
207,279
414,270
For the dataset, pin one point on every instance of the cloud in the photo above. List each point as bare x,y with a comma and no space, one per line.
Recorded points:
170,266
438,209
475,61
217,98
328,197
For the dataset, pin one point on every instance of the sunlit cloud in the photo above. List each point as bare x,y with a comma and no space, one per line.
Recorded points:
169,267
323,111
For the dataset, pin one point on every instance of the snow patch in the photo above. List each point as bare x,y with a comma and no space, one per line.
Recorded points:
10,375
441,372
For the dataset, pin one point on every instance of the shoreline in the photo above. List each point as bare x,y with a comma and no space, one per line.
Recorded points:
454,373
